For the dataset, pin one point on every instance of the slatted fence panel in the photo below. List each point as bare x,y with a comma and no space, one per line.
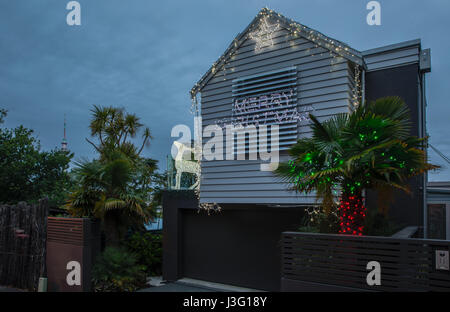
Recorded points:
338,260
65,231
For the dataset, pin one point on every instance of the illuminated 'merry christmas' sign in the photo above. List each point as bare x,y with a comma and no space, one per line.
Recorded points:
269,109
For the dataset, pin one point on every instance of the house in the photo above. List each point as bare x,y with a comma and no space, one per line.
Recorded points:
282,67
438,202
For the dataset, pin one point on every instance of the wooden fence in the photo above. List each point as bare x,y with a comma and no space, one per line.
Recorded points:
322,262
23,232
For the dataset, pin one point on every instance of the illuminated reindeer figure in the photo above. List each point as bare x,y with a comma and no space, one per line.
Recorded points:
184,165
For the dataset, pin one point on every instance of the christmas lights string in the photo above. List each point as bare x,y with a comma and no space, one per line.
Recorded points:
351,210
356,98
262,31
268,109
263,35
295,29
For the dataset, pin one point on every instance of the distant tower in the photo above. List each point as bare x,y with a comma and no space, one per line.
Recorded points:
64,141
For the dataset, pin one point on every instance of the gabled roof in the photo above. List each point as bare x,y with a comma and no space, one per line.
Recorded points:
318,38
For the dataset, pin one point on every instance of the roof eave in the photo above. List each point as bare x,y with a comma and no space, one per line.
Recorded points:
390,47
333,45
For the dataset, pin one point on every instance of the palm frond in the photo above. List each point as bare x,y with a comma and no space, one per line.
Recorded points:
368,148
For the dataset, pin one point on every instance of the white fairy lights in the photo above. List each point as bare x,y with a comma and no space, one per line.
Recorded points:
295,29
262,30
267,109
357,87
263,35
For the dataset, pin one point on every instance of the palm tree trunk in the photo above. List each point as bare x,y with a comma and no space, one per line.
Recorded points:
111,228
352,213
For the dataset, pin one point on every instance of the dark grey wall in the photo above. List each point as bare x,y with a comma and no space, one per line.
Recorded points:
404,82
173,202
238,246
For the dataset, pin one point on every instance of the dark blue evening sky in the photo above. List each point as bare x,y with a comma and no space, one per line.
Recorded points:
146,55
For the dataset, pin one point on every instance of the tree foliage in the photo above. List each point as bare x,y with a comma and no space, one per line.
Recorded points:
3,113
117,269
114,129
148,249
370,148
27,173
120,187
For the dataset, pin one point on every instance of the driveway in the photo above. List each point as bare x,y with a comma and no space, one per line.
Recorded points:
10,289
192,285
177,287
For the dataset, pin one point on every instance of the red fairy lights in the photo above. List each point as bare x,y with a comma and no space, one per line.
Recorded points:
351,215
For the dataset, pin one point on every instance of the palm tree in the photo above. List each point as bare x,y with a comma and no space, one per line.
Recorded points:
107,191
113,128
370,148
117,187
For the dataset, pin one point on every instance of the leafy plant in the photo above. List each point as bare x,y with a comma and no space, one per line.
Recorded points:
114,128
378,224
120,187
148,249
117,269
27,173
317,221
107,191
370,148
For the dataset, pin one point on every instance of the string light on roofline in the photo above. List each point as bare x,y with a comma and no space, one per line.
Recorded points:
262,33
294,29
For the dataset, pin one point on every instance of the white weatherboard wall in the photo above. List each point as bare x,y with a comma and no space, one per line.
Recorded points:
324,82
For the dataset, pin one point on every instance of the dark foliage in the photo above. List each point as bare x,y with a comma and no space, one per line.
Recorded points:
29,174
148,249
117,269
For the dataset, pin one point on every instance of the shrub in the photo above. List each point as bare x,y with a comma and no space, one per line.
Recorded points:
377,224
317,221
148,249
117,270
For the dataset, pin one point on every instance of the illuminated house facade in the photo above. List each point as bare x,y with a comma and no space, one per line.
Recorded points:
277,61
276,72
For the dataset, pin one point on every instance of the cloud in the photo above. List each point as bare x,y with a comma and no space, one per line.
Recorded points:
146,55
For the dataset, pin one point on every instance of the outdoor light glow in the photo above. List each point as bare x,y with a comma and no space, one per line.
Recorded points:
337,50
263,35
262,31
351,215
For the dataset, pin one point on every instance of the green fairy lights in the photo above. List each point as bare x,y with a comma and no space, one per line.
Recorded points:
347,154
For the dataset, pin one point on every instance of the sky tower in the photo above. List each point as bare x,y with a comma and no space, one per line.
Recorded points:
64,140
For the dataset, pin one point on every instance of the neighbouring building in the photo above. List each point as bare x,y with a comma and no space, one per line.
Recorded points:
277,60
438,207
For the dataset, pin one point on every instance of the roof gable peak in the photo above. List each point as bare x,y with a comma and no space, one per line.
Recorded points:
267,21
